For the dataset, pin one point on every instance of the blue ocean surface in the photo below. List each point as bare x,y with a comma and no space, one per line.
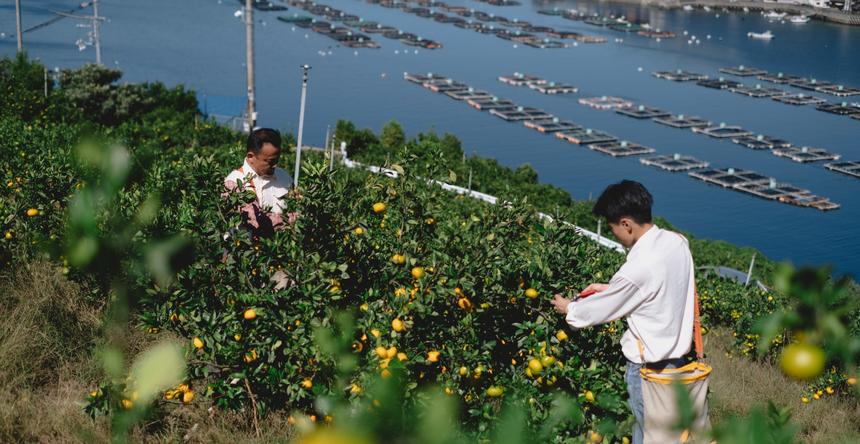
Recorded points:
200,43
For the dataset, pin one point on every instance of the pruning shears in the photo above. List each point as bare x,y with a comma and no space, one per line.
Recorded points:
584,294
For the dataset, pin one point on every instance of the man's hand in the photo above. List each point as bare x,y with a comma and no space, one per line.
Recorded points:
594,288
560,303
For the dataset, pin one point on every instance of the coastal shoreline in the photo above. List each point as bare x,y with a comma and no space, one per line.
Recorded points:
827,15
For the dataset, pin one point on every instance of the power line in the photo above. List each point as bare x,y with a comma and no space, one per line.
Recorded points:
59,17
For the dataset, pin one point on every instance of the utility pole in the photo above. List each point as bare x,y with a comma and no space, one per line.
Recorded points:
18,26
249,62
96,33
96,25
305,69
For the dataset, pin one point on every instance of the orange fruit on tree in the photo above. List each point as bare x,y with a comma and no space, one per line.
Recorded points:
433,356
381,352
187,397
589,396
802,361
495,391
851,381
379,207
531,293
398,259
307,383
127,404
198,343
561,336
464,303
358,231
535,366
418,272
250,314
32,212
398,325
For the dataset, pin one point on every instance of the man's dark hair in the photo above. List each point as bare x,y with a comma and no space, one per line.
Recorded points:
625,199
261,136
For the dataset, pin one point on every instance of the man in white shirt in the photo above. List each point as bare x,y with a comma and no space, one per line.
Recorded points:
654,290
270,184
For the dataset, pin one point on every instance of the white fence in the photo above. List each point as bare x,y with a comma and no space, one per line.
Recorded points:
486,198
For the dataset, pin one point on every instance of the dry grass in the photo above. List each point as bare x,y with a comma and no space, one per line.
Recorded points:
739,384
48,331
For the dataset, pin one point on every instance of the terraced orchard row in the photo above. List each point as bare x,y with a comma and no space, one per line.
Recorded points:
385,298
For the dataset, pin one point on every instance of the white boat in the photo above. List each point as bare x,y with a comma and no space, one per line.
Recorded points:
688,8
706,8
767,35
800,19
773,15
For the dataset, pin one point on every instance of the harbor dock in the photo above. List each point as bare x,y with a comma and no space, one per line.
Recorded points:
761,142
585,136
722,131
805,154
839,90
486,104
445,85
520,79
842,109
743,71
683,122
757,91
800,99
656,34
520,31
643,112
719,83
422,78
779,78
605,102
753,183
521,113
679,75
850,168
553,88
551,125
621,149
469,94
674,163
538,84
348,35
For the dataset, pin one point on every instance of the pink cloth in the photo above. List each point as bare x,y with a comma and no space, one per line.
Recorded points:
254,216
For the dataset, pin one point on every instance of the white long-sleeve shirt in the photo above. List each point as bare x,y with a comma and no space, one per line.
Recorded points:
655,291
270,190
